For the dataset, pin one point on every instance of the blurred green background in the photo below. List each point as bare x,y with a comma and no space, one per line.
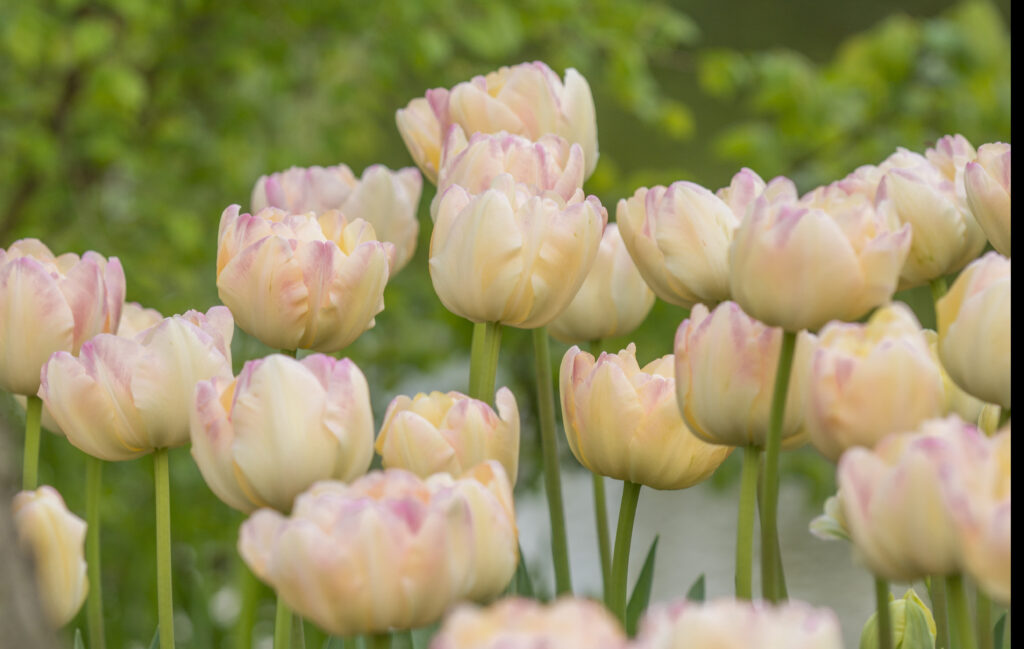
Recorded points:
128,126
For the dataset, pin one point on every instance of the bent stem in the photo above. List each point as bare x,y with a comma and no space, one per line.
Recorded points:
745,523
94,605
165,604
616,597
961,635
549,451
282,625
30,463
884,621
483,360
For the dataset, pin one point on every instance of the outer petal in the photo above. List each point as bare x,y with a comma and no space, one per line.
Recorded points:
347,414
212,442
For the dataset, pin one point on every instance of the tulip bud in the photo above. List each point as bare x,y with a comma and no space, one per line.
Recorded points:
974,329
913,626
613,301
56,540
623,421
450,433
50,304
831,524
987,188
263,438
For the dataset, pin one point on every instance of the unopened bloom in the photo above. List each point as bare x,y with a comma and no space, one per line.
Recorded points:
974,329
519,623
510,256
613,300
679,236
725,366
623,422
122,398
389,551
301,281
868,380
831,523
986,524
50,304
385,199
987,188
449,432
56,540
912,624
526,99
263,438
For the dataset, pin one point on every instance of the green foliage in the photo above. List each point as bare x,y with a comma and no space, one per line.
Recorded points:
641,594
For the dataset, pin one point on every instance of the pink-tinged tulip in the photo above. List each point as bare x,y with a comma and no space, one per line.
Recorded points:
950,155
679,236
987,188
986,527
738,624
55,538
389,551
623,422
510,256
450,432
519,623
122,398
614,298
868,380
974,329
725,366
385,199
50,304
301,281
263,438
795,265
526,99
958,402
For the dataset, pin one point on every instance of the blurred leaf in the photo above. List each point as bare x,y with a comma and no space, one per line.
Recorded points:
78,643
641,594
696,590
155,642
999,632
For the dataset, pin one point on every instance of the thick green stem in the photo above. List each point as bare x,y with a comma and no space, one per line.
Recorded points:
483,360
961,634
616,594
30,465
745,523
939,288
603,542
378,641
549,451
983,620
1004,416
165,603
282,625
249,587
938,593
884,620
94,606
476,354
771,557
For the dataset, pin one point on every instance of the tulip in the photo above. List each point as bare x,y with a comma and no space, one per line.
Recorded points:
613,300
510,256
974,329
136,318
950,155
912,624
737,624
526,99
725,366
263,438
450,432
299,280
519,623
958,402
56,540
389,551
385,199
831,523
986,524
50,304
679,236
987,189
122,398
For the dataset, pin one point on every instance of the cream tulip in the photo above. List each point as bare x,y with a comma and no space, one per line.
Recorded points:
957,401
389,551
986,524
450,433
950,154
623,422
50,304
987,188
263,438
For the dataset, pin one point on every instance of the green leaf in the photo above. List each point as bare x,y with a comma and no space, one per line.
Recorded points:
916,632
696,592
521,584
78,640
155,642
999,632
641,590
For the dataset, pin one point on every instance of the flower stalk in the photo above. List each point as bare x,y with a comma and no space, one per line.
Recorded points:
745,522
30,465
884,619
165,603
94,605
616,597
961,634
483,360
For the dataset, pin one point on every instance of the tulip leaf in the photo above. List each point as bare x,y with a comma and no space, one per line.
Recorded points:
999,632
155,642
78,640
521,584
916,632
696,592
334,642
641,590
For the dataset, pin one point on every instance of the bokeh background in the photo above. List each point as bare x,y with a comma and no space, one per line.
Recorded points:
128,126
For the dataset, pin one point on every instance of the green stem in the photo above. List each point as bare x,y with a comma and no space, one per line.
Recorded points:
983,619
30,466
771,557
250,589
294,353
298,632
961,634
549,451
165,603
1004,416
938,593
94,606
282,625
939,288
476,354
603,542
616,594
884,621
483,360
379,641
745,523
350,642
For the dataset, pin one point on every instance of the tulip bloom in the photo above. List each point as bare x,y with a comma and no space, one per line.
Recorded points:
55,538
122,398
510,256
50,304
300,281
449,432
987,188
519,623
263,438
725,366
385,199
986,524
526,99
623,422
389,551
974,329
136,318
957,402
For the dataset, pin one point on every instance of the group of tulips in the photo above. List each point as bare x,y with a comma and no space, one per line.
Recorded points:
792,336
